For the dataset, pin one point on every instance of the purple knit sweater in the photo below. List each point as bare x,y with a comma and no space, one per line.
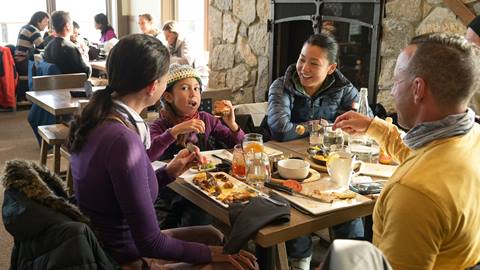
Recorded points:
164,144
115,186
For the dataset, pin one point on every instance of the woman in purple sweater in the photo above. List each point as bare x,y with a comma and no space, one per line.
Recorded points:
114,182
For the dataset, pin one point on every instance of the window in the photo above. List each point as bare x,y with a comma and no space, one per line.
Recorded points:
191,19
83,13
16,16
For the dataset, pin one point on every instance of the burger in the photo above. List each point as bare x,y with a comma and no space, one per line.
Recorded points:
221,109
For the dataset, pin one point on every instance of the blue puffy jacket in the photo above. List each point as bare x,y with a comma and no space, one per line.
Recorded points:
288,106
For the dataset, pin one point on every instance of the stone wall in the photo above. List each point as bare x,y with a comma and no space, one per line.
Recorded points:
405,19
238,45
238,42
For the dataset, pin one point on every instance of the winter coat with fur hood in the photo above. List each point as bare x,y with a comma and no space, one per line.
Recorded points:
49,232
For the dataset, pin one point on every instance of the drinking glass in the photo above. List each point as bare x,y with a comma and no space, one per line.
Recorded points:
239,168
340,168
316,133
258,169
253,142
332,139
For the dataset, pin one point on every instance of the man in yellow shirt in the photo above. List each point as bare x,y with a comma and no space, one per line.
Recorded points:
472,35
428,215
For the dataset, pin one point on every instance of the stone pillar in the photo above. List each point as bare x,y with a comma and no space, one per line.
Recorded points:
238,45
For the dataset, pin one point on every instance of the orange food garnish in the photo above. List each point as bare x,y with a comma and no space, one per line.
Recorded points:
294,185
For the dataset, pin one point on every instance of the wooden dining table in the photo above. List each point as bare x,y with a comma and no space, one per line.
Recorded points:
273,237
57,102
100,65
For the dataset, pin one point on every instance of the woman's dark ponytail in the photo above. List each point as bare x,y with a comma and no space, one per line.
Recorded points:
133,63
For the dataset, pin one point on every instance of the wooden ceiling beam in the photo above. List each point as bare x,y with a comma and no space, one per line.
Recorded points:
461,10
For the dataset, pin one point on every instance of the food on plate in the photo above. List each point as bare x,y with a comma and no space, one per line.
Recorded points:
300,130
333,195
220,108
208,166
320,159
347,194
223,187
221,177
293,184
228,185
208,184
200,177
236,197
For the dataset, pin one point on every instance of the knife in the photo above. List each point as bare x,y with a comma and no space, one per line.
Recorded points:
282,188
224,160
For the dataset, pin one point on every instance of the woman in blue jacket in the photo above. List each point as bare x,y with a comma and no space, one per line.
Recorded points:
311,89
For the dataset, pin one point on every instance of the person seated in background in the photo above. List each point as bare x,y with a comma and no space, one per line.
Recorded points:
29,39
472,35
147,26
61,51
106,30
311,89
114,182
178,46
428,215
48,36
181,123
79,41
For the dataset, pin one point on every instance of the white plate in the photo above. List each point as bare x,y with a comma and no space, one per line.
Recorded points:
378,170
236,186
363,149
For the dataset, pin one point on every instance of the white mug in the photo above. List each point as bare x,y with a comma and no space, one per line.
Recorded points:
340,165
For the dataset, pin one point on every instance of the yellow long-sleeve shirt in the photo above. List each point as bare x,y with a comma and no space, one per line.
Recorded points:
428,215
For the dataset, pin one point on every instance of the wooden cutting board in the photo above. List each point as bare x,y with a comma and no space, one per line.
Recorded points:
318,208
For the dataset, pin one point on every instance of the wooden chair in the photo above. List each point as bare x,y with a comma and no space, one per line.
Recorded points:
55,134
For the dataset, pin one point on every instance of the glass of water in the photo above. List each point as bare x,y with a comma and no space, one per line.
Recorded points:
332,139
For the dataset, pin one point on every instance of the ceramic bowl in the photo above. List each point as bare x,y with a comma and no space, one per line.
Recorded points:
293,168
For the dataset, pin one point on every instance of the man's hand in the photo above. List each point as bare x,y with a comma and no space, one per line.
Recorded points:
180,163
352,123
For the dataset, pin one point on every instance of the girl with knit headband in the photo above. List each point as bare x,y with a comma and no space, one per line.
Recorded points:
180,123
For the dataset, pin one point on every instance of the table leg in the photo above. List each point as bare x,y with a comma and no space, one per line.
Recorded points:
43,152
274,257
282,259
56,158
